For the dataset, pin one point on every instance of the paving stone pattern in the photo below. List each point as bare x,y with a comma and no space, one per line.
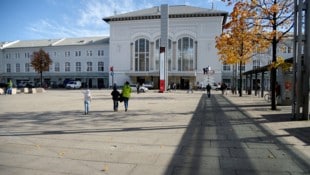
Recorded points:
172,133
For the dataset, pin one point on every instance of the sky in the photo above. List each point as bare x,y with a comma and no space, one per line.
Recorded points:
56,19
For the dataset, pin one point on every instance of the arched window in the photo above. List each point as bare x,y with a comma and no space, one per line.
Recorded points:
186,54
168,52
142,55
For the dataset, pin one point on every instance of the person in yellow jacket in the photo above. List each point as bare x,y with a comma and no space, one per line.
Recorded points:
126,92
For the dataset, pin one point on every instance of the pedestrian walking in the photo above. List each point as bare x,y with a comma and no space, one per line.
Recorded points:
190,88
126,92
138,88
9,87
208,90
87,100
224,88
115,97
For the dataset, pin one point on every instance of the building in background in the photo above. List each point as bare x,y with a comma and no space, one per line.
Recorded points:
85,59
135,42
132,49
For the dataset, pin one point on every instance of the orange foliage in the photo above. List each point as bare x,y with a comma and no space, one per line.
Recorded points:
239,41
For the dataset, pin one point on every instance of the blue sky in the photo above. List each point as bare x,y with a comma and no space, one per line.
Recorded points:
54,19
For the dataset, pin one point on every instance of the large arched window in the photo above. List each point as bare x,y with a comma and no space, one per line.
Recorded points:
142,55
186,54
168,52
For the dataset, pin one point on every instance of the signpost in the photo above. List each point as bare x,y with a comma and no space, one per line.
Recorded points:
112,75
163,69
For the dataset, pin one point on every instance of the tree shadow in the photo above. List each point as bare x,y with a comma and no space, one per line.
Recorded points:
222,139
301,133
64,122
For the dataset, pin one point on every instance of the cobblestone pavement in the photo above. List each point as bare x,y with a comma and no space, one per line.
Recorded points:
161,133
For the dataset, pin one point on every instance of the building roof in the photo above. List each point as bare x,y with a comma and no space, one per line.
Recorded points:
179,11
30,43
81,41
56,42
264,68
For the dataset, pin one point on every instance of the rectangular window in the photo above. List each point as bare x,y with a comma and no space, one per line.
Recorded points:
67,54
67,67
242,67
100,53
78,67
8,68
27,67
289,49
77,53
100,66
226,67
256,64
17,55
89,53
26,55
89,66
17,67
57,67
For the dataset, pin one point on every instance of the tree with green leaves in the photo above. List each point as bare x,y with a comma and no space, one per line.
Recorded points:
41,61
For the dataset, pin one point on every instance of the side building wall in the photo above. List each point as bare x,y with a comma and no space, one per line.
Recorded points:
88,63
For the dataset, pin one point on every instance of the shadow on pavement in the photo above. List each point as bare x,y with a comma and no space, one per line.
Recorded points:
74,122
222,139
301,133
278,117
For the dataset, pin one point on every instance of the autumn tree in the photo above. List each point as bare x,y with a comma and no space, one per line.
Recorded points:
240,39
277,20
41,61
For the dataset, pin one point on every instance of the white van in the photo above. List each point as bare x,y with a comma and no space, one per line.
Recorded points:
74,85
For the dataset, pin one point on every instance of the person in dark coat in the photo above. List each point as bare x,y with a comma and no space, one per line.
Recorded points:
208,90
115,97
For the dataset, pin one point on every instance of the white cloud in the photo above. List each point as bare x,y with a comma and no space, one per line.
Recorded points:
52,29
87,21
95,10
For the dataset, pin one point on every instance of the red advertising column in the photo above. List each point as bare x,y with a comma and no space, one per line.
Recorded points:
162,70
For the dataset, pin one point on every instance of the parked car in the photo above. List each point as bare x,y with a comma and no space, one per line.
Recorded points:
149,85
25,84
74,85
216,87
141,89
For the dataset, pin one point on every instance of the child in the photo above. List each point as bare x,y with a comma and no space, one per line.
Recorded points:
115,96
87,100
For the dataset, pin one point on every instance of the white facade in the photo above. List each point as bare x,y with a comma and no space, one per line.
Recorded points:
284,50
85,59
133,51
192,26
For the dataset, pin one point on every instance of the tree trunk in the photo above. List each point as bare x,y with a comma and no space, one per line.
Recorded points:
41,78
273,72
240,80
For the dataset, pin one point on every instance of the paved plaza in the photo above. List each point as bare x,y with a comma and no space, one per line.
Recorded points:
173,133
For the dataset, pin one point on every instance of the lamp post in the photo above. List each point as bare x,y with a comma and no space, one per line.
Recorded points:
112,75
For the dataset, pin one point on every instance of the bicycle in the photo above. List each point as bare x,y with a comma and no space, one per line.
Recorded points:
267,97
